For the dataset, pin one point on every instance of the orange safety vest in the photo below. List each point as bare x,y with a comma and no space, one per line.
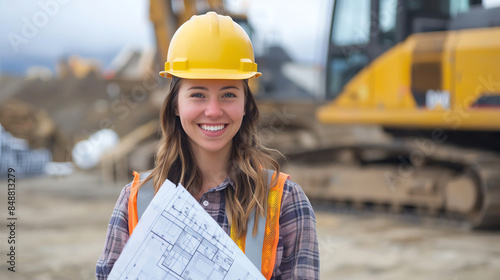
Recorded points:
266,238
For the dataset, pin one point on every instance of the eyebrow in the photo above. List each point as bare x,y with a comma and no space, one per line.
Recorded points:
201,88
223,88
228,87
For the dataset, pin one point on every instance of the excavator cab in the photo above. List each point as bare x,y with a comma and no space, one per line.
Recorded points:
414,64
427,72
363,30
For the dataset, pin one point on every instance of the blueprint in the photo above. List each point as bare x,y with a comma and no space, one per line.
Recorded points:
177,239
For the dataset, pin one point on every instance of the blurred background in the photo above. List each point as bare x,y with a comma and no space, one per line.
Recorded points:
386,110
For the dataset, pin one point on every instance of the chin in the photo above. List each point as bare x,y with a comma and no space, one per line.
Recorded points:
214,147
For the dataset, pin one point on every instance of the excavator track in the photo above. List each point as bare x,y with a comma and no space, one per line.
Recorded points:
412,177
488,211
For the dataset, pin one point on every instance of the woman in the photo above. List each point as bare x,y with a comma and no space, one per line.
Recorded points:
209,145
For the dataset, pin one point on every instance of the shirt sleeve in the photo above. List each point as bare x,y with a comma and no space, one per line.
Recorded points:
300,254
116,237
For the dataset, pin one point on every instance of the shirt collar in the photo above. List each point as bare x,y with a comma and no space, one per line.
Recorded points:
223,185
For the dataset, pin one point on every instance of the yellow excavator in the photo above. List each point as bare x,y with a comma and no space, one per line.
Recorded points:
427,71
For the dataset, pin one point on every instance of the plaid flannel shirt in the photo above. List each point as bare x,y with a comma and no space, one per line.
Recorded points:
297,255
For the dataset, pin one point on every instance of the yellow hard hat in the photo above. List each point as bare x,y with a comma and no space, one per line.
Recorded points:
210,46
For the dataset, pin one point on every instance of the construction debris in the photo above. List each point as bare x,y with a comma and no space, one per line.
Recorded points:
34,125
18,158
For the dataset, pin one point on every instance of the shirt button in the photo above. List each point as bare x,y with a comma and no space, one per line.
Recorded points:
205,203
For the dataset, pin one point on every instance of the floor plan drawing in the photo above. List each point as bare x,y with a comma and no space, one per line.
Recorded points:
177,239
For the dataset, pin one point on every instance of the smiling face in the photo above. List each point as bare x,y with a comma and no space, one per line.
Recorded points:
211,112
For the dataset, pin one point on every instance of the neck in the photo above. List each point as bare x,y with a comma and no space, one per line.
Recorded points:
213,167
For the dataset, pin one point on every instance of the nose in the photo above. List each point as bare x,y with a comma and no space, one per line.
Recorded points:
213,109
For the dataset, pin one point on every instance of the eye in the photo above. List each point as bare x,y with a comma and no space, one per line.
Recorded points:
226,95
197,95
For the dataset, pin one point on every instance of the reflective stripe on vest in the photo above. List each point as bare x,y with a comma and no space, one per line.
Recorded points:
139,199
260,249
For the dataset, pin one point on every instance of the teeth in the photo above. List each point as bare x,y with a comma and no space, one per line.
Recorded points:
212,127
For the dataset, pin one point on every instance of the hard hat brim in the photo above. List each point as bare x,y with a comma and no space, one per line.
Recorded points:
215,75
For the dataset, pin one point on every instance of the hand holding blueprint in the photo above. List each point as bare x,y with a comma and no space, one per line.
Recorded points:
176,239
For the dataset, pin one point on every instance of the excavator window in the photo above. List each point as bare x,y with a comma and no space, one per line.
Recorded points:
429,6
342,69
447,8
388,10
352,23
350,36
432,15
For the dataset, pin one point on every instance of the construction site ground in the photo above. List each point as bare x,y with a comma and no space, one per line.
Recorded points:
62,224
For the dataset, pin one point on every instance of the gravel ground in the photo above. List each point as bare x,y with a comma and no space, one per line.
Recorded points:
374,247
62,224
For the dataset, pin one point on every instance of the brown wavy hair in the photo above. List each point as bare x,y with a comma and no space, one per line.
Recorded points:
248,159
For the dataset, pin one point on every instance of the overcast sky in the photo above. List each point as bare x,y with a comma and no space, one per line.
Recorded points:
49,29
72,24
55,28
